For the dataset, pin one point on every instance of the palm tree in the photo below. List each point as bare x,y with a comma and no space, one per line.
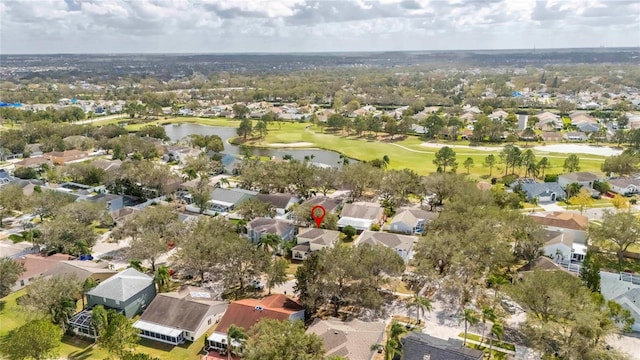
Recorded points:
393,345
470,318
234,334
421,304
496,281
136,264
224,181
99,320
87,285
386,159
162,277
269,243
497,330
487,314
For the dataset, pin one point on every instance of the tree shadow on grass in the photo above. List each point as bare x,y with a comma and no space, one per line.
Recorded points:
2,304
85,346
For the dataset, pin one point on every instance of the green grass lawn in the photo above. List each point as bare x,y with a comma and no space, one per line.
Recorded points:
12,316
404,151
609,262
496,344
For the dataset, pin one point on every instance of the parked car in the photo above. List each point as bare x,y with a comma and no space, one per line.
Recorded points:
509,305
256,284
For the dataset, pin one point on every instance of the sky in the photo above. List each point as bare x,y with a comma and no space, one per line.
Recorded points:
232,26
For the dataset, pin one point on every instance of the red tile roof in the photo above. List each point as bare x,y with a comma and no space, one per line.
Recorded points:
247,312
37,265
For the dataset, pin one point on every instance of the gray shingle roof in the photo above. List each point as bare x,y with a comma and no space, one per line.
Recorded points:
319,236
393,241
415,346
123,285
351,339
278,201
233,196
180,313
543,189
369,211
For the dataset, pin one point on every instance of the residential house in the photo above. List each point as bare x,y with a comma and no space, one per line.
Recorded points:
174,317
129,291
260,227
564,246
33,162
401,244
34,149
565,236
549,121
498,115
468,117
14,251
107,165
584,179
361,215
65,157
419,346
36,265
351,339
120,216
544,192
179,153
583,120
625,185
575,136
551,136
82,269
224,200
330,205
282,203
622,289
111,202
411,220
313,239
247,312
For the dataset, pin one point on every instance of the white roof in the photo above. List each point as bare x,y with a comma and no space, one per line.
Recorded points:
362,224
222,338
158,329
579,249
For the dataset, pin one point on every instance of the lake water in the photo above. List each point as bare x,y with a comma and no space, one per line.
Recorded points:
178,131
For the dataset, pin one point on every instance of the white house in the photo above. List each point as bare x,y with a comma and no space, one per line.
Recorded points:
411,221
564,246
585,179
401,244
361,215
625,185
575,136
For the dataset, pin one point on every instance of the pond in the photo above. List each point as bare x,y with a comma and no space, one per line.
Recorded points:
178,131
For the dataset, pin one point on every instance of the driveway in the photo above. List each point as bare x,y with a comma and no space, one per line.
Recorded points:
551,207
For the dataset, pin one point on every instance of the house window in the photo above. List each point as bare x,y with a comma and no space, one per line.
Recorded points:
209,322
117,302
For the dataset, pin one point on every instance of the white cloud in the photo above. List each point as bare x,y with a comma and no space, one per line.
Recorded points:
312,25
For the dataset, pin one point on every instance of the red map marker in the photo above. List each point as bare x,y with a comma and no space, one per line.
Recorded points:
318,215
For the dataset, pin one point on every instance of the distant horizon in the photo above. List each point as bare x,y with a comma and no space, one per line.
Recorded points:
532,49
312,26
